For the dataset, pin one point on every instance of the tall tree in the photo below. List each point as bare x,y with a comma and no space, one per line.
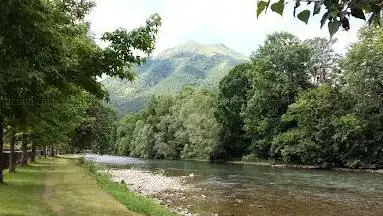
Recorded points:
98,132
323,67
318,114
46,44
363,67
198,129
280,72
232,98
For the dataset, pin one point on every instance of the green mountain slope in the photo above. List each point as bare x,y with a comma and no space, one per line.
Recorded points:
187,64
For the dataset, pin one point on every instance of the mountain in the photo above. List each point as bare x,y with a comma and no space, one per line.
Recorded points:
190,63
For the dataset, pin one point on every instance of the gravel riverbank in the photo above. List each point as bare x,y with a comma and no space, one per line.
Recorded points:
163,188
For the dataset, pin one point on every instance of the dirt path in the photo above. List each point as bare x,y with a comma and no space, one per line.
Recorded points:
69,190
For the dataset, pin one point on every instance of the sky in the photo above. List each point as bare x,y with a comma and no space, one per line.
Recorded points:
230,22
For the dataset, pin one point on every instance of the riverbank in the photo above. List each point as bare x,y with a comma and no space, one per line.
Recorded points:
130,198
156,185
58,186
309,167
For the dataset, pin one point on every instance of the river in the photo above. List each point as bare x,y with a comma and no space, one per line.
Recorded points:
238,189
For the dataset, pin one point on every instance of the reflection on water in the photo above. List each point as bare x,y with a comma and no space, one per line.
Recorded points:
236,189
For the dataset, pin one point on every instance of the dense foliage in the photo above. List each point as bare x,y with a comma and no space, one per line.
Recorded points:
97,131
49,69
180,127
294,102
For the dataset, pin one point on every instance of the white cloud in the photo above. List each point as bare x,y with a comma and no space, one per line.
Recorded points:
231,22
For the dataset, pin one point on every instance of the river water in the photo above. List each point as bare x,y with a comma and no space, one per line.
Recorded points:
237,189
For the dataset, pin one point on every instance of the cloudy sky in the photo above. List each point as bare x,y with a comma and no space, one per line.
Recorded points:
231,22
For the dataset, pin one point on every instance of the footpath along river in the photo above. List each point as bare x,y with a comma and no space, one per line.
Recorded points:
236,189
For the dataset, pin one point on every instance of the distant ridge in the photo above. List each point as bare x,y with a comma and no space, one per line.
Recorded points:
189,63
201,49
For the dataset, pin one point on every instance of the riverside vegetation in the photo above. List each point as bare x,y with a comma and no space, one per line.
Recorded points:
293,102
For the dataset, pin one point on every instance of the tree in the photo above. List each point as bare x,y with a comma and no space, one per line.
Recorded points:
125,131
336,13
143,141
182,127
323,67
232,98
12,155
363,67
198,129
316,114
280,73
98,131
52,123
46,44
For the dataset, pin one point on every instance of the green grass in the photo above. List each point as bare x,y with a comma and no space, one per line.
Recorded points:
21,195
131,200
58,186
72,190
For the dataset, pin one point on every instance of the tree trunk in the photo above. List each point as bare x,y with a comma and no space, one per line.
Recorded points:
45,152
33,153
12,154
1,148
52,152
24,154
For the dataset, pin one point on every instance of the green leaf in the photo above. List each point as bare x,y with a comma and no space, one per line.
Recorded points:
333,27
358,13
278,7
304,16
317,7
324,19
261,6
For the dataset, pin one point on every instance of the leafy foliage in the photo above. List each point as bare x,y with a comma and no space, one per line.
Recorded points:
233,96
97,131
318,113
47,53
279,74
181,127
295,102
337,13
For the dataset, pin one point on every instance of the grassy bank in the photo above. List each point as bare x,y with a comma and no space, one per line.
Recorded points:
58,186
21,195
131,200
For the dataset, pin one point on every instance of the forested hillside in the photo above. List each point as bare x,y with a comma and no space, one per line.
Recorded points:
295,102
169,71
